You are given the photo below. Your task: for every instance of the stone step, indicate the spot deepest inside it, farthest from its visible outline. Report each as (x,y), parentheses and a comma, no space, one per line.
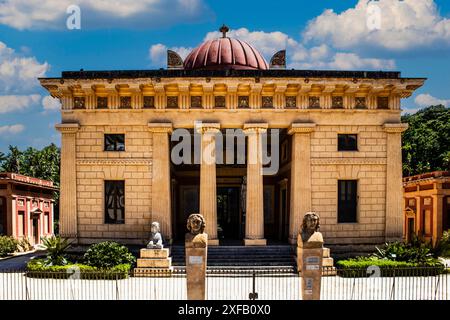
(154,263)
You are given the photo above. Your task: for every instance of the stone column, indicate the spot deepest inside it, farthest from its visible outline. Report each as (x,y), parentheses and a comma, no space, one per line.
(438,211)
(394,183)
(254,220)
(161,199)
(300,176)
(68,200)
(208,186)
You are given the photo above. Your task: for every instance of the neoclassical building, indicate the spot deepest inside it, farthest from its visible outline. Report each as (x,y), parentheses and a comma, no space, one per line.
(339,147)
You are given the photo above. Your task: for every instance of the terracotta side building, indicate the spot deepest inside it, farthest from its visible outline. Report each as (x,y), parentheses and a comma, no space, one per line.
(26,207)
(426,205)
(339,146)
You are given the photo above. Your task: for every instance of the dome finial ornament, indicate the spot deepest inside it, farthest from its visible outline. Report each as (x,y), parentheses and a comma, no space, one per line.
(224,29)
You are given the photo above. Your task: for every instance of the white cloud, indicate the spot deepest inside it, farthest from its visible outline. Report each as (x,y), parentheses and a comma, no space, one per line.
(426,100)
(14,103)
(18,73)
(298,55)
(403,25)
(51,104)
(42,14)
(12,129)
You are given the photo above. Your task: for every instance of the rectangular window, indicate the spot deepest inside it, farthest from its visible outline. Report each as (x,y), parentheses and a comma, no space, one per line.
(347,201)
(102,102)
(383,103)
(114,202)
(196,102)
(46,223)
(360,103)
(291,102)
(347,142)
(79,103)
(114,142)
(314,102)
(219,102)
(267,102)
(243,102)
(337,102)
(172,102)
(125,102)
(149,102)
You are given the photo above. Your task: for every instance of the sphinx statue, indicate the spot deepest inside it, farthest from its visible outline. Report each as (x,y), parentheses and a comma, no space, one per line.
(156,240)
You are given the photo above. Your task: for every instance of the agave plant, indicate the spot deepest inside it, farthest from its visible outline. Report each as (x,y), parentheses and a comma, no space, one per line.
(56,250)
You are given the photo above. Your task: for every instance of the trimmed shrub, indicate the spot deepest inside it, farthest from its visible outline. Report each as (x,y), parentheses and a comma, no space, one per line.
(8,245)
(37,268)
(106,255)
(24,245)
(360,267)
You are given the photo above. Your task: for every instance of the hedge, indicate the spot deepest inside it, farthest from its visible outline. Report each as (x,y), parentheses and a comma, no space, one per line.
(37,269)
(358,267)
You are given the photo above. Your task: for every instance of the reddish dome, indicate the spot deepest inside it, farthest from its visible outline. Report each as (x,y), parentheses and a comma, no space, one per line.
(225,53)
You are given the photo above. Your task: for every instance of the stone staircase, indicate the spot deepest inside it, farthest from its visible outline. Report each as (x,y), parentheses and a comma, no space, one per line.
(241,256)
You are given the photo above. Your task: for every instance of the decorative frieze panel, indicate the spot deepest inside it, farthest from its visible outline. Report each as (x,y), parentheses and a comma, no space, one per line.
(114,162)
(348,161)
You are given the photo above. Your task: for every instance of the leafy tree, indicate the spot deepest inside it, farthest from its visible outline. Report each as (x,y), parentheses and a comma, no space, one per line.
(426,144)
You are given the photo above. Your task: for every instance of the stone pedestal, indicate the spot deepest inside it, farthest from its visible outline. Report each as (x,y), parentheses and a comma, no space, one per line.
(196,273)
(310,261)
(154,263)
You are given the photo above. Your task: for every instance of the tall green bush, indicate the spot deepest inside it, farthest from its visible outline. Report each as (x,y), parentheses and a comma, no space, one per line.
(56,250)
(106,255)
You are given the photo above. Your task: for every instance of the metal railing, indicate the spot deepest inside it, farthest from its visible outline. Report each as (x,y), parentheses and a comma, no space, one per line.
(227,284)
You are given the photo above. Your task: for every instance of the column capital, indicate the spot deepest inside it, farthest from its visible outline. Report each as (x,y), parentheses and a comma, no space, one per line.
(67,127)
(301,128)
(160,127)
(255,127)
(395,127)
(207,127)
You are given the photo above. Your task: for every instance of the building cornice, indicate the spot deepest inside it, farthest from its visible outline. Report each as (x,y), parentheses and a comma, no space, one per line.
(67,127)
(395,127)
(301,128)
(160,127)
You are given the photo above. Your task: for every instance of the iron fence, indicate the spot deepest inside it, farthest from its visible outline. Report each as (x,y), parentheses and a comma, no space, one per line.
(227,284)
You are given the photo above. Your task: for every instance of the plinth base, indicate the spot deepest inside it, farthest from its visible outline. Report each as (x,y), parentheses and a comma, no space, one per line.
(153,272)
(154,263)
(213,242)
(255,242)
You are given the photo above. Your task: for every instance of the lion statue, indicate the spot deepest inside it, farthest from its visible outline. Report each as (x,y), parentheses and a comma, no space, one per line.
(196,226)
(310,228)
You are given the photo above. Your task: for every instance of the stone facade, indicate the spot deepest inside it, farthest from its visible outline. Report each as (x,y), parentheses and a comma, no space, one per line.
(311,173)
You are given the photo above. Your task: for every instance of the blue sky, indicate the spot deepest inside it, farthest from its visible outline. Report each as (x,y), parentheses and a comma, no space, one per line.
(412,36)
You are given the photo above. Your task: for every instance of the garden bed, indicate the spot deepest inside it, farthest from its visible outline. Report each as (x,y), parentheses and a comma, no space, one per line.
(37,269)
(370,267)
